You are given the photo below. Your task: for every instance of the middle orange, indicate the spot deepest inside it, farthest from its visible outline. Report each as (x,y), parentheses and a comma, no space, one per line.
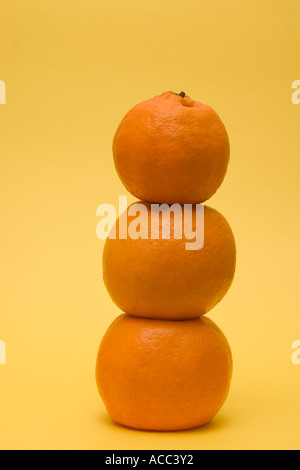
(153,268)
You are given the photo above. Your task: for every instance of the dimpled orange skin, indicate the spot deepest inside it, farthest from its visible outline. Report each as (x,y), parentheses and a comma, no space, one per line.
(159,278)
(171,149)
(163,375)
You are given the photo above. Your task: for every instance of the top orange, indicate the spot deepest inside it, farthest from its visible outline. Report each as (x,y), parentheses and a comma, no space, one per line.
(171,149)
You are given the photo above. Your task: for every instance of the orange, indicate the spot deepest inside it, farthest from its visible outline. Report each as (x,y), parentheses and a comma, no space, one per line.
(163,375)
(171,149)
(160,278)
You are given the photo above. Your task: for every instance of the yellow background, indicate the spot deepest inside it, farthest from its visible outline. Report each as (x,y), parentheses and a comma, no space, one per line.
(72,70)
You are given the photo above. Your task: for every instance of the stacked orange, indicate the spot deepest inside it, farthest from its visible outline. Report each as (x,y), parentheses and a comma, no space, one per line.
(163,365)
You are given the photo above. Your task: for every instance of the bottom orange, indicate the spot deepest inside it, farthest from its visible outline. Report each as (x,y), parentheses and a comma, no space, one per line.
(163,375)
